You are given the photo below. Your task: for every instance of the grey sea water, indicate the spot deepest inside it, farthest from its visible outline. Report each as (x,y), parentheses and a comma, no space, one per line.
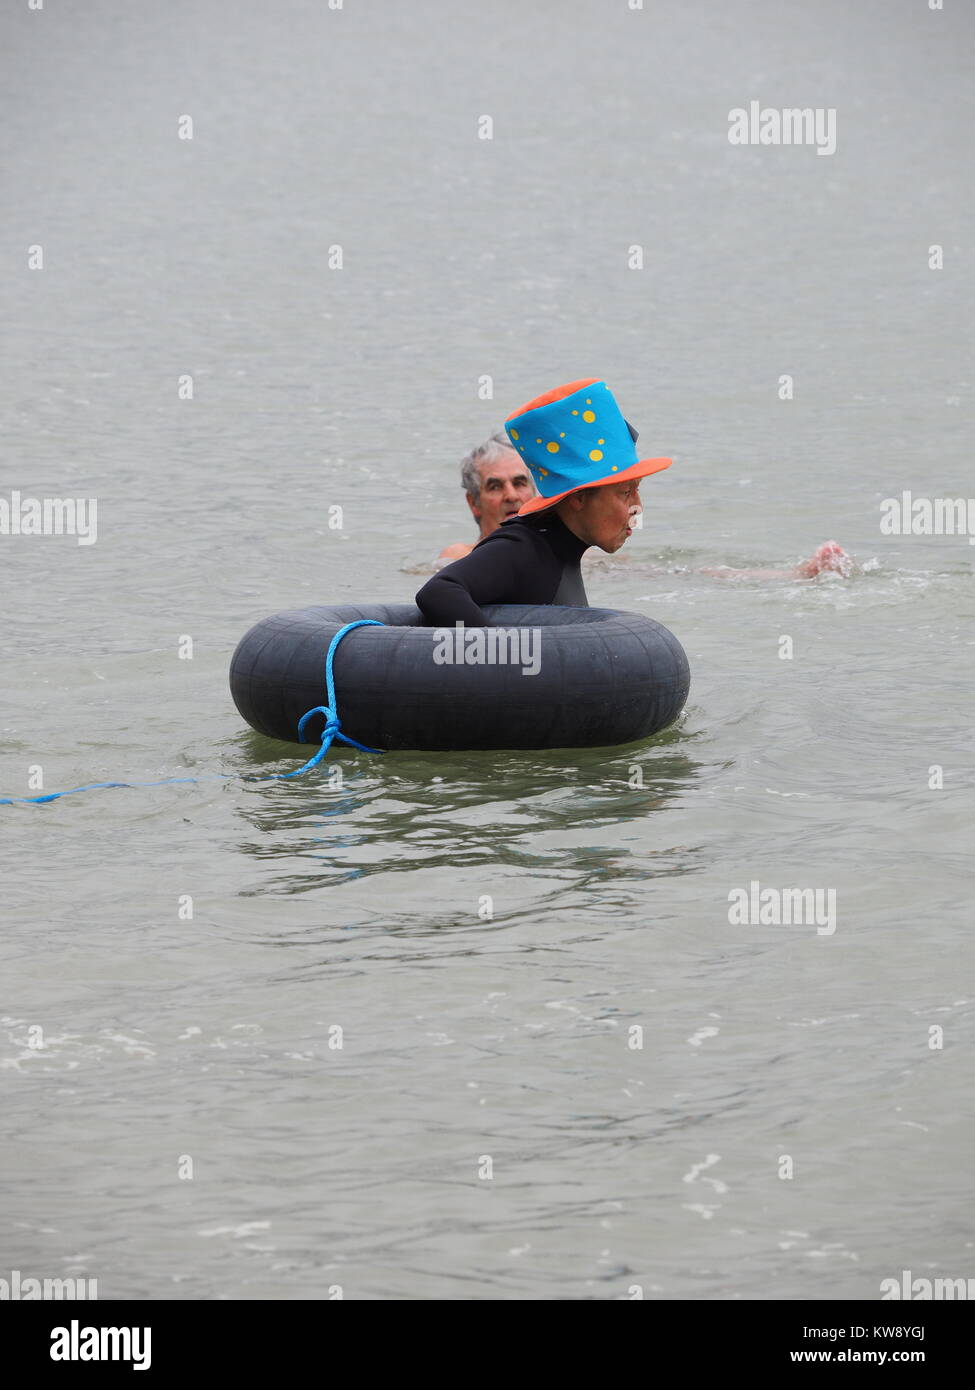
(793,1125)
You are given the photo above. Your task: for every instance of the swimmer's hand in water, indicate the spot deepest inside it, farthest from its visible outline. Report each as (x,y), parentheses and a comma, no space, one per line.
(829,558)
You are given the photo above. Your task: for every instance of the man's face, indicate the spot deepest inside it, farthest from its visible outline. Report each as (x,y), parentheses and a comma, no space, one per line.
(604,516)
(506,485)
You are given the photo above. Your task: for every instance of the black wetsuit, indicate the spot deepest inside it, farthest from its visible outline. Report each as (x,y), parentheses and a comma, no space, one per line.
(529,559)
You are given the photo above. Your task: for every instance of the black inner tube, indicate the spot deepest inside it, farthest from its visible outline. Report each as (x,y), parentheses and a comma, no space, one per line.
(601,677)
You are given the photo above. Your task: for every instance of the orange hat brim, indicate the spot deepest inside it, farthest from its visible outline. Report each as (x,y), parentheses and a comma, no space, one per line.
(643,469)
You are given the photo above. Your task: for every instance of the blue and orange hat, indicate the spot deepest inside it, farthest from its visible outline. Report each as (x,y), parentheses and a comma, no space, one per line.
(574,437)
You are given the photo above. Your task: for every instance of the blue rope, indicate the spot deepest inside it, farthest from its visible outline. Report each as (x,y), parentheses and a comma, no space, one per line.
(330,732)
(332,729)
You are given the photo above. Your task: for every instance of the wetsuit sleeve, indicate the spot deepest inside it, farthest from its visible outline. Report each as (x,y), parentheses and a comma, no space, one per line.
(502,569)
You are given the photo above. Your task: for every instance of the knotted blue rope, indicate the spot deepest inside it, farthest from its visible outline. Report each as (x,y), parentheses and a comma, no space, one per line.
(332,729)
(330,732)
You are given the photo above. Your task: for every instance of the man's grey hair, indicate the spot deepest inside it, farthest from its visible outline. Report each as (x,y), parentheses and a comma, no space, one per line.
(489,452)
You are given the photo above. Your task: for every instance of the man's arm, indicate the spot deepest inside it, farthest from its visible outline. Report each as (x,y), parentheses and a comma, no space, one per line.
(454,552)
(829,556)
(499,570)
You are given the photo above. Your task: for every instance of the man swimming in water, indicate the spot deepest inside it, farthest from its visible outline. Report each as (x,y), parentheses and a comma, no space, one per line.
(588,476)
(496,482)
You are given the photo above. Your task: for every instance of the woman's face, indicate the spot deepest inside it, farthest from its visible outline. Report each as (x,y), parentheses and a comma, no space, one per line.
(603,516)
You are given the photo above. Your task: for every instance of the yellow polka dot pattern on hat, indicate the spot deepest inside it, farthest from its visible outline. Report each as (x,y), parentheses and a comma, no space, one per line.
(574,444)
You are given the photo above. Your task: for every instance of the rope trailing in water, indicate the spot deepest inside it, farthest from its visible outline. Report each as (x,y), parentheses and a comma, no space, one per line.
(330,732)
